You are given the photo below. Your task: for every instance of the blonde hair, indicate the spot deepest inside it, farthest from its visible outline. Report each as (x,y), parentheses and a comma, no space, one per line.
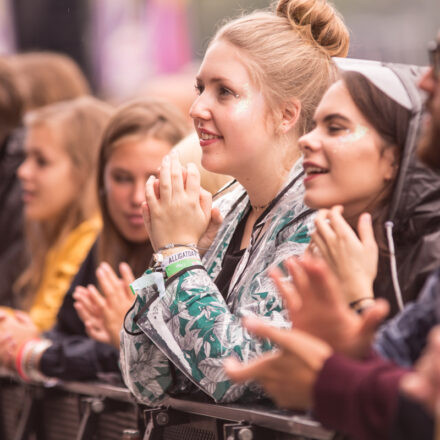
(80,123)
(289,51)
(189,151)
(143,118)
(47,77)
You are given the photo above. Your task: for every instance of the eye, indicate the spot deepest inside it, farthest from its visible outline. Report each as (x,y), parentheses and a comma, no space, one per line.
(122,178)
(41,161)
(336,129)
(199,89)
(224,91)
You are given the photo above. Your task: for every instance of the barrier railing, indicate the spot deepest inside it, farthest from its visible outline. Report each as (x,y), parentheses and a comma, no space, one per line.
(85,410)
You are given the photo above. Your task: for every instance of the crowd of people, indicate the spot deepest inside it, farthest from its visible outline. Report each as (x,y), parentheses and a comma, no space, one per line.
(287,248)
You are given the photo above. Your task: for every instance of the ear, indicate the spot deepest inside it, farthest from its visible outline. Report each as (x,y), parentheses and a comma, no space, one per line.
(290,112)
(391,161)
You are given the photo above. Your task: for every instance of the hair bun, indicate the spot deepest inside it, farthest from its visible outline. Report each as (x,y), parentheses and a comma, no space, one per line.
(317,21)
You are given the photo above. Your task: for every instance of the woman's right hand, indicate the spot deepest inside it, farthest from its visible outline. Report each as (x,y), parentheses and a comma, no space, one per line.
(317,306)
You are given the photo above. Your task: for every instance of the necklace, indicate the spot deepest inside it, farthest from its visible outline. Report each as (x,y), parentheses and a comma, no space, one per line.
(260,207)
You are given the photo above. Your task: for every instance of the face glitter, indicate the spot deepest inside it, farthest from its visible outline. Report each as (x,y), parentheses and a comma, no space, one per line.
(358,134)
(244,105)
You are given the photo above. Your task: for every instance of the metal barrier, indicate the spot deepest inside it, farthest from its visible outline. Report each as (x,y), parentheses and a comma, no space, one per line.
(83,411)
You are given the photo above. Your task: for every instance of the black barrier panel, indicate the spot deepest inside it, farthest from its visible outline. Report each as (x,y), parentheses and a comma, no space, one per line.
(98,411)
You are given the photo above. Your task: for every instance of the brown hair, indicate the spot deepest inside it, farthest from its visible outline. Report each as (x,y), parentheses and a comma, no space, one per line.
(144,118)
(81,123)
(288,52)
(391,121)
(11,104)
(48,77)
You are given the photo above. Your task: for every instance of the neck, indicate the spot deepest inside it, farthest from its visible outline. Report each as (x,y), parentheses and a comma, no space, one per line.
(264,180)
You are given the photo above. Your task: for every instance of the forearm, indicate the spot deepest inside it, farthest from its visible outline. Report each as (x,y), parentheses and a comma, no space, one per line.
(366,394)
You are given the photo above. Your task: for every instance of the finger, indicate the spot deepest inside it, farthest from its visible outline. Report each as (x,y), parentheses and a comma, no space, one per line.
(374,316)
(193,181)
(165,187)
(366,232)
(150,195)
(106,282)
(128,277)
(206,202)
(339,225)
(320,245)
(216,217)
(22,317)
(82,311)
(176,173)
(292,301)
(146,216)
(254,370)
(97,301)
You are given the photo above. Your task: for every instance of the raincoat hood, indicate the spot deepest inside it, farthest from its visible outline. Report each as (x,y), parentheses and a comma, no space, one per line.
(413,219)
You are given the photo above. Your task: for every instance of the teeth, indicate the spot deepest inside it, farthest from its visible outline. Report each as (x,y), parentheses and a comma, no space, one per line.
(206,136)
(315,170)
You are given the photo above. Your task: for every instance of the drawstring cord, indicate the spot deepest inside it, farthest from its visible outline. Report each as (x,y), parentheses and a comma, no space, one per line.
(397,292)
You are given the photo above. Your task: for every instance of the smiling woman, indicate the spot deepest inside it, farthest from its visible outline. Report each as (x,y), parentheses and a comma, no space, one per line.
(257,87)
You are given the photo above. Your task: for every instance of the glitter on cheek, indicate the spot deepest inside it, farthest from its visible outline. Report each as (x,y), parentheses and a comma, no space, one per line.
(243,106)
(358,134)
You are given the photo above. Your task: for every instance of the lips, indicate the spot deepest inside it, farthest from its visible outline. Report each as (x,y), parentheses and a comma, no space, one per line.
(135,219)
(27,195)
(207,137)
(313,170)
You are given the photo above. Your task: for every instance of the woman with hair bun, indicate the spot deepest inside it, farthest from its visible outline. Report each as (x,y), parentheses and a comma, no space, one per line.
(260,81)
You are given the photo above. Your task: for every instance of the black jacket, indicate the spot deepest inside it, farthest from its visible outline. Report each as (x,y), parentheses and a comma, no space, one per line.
(73,355)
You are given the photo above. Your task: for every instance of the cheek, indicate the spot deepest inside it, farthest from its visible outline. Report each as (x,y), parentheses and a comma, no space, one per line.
(117,197)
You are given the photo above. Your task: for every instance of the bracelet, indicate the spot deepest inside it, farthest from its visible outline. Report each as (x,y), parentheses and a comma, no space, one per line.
(22,351)
(172,245)
(30,360)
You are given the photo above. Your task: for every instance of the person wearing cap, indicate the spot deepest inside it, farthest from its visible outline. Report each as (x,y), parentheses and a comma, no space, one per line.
(326,364)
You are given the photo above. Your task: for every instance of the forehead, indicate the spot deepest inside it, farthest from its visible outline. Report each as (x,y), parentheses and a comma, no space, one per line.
(138,154)
(337,100)
(223,60)
(43,137)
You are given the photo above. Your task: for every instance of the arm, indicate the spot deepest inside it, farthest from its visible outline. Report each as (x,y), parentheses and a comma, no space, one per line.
(404,337)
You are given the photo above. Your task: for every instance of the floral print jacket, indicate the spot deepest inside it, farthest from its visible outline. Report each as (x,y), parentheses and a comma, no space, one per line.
(186,321)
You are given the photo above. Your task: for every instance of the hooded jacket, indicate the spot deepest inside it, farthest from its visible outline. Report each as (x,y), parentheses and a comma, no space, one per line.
(412,223)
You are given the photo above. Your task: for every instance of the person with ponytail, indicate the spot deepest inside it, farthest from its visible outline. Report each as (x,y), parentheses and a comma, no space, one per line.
(259,83)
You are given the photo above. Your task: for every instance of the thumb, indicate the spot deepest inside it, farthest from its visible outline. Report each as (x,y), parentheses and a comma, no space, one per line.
(216,217)
(205,201)
(22,317)
(373,317)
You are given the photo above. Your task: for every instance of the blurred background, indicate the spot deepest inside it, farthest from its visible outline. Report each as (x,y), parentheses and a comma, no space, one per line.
(125,46)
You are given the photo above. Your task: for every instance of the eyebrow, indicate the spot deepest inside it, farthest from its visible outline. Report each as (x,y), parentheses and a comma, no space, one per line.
(216,79)
(335,116)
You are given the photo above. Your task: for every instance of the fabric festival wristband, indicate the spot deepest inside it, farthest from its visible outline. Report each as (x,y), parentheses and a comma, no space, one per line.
(22,352)
(183,255)
(173,268)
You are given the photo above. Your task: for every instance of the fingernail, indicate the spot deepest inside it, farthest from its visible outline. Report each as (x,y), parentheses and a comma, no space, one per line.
(166,161)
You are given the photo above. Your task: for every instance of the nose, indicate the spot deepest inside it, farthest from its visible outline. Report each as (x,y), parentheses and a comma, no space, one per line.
(309,142)
(24,170)
(138,194)
(427,82)
(200,108)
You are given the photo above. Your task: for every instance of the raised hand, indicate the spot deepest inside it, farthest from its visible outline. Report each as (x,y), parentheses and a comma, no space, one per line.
(176,210)
(288,374)
(353,259)
(103,313)
(316,305)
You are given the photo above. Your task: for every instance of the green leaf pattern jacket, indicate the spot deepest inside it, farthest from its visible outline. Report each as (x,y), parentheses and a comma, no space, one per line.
(190,323)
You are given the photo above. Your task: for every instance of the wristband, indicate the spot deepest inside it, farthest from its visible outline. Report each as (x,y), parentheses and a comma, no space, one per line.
(172,245)
(30,360)
(179,265)
(22,351)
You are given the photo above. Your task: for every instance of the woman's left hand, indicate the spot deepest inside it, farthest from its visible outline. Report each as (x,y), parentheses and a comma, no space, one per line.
(176,211)
(353,259)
